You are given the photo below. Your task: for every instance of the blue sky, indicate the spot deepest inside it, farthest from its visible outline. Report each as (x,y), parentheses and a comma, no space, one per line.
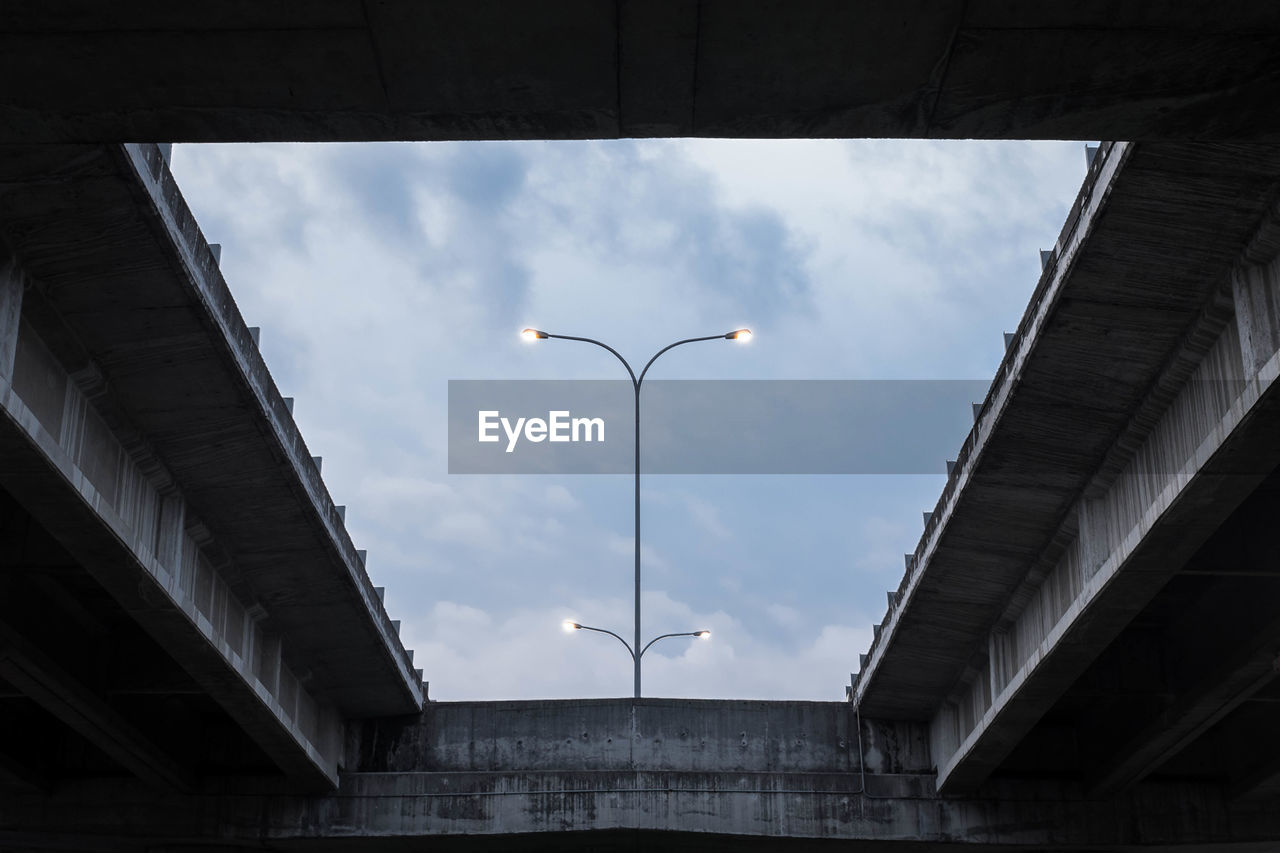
(380,272)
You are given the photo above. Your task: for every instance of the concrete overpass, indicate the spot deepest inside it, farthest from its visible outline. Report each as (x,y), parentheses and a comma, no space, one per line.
(564,69)
(179,592)
(1090,597)
(1081,654)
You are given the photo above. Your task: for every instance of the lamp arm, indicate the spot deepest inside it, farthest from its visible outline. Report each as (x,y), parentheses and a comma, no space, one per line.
(671,346)
(603,345)
(664,636)
(615,636)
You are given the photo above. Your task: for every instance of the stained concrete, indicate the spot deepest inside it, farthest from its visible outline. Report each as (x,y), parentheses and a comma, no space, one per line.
(616,773)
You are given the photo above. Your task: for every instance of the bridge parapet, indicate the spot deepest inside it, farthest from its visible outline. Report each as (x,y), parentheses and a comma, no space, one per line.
(620,774)
(685,735)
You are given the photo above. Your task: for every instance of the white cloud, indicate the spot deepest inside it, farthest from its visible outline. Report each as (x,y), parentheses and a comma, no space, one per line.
(706,516)
(625,546)
(560,498)
(378,273)
(472,654)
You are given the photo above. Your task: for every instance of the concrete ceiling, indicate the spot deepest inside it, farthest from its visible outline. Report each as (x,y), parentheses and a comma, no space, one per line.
(145,70)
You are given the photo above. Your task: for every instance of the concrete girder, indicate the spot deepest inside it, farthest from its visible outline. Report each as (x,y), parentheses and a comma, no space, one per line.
(93,494)
(1258,784)
(43,681)
(39,472)
(15,774)
(913,683)
(1148,244)
(1248,670)
(1212,444)
(560,69)
(216,510)
(321,598)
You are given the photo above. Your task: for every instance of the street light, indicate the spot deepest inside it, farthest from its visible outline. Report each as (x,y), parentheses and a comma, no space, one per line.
(570,625)
(740,335)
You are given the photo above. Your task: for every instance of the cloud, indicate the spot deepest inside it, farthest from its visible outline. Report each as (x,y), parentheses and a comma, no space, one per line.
(626,546)
(560,498)
(471,653)
(378,273)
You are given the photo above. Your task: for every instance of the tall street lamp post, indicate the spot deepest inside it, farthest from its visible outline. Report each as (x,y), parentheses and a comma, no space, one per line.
(741,335)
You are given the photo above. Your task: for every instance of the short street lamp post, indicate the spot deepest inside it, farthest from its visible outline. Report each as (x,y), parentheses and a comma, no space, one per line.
(740,335)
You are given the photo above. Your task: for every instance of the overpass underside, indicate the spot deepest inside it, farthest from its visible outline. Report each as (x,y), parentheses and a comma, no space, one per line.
(312,70)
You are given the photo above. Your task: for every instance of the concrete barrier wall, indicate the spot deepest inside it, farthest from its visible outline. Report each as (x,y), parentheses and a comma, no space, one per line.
(648,734)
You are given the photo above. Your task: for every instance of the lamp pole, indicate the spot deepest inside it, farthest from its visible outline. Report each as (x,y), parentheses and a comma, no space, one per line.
(742,335)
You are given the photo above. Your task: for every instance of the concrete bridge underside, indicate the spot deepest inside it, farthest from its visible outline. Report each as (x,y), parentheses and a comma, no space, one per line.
(140,70)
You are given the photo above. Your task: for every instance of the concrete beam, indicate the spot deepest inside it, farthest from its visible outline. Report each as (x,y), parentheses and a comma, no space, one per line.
(43,681)
(929,640)
(290,631)
(1259,784)
(572,69)
(294,554)
(178,599)
(12,282)
(1133,530)
(1147,246)
(1231,681)
(115,509)
(17,775)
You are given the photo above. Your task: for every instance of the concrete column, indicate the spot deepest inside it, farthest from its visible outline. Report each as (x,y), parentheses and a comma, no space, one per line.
(1255,288)
(170,532)
(11,282)
(1093,538)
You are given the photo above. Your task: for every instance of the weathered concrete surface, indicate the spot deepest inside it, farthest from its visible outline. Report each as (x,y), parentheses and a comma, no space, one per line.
(653,734)
(119,261)
(507,69)
(140,430)
(605,774)
(1137,408)
(1150,240)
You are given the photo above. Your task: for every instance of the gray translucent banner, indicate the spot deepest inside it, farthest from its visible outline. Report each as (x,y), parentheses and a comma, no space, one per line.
(709,426)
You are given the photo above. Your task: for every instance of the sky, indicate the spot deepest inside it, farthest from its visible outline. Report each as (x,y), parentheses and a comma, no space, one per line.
(380,272)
